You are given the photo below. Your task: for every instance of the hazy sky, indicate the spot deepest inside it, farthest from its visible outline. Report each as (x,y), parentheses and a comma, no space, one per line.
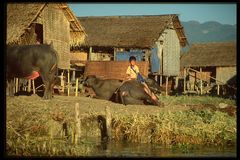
(224,13)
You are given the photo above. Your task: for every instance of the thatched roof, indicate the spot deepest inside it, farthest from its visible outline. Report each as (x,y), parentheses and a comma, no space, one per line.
(129,31)
(21,15)
(210,54)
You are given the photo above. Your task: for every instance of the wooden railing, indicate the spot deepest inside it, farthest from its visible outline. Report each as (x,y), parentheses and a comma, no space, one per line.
(204,80)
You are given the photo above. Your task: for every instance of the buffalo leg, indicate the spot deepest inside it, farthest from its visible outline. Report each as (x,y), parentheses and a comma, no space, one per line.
(47,86)
(131,100)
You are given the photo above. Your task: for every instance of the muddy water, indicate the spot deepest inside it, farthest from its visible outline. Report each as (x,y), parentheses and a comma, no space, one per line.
(126,149)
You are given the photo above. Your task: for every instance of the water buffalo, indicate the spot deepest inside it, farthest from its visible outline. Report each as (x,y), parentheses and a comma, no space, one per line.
(133,92)
(103,89)
(30,62)
(128,92)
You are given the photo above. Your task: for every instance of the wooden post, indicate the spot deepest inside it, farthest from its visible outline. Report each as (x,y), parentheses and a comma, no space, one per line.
(33,84)
(176,82)
(218,89)
(29,85)
(62,82)
(68,82)
(90,54)
(114,54)
(156,77)
(200,80)
(78,122)
(76,91)
(160,80)
(166,85)
(73,76)
(14,88)
(108,122)
(184,79)
(16,85)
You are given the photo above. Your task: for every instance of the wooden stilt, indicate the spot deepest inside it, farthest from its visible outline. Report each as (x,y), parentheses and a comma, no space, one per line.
(29,85)
(166,85)
(73,76)
(33,84)
(218,89)
(176,82)
(68,86)
(76,91)
(14,88)
(108,122)
(62,82)
(184,79)
(78,122)
(16,85)
(90,54)
(160,80)
(200,80)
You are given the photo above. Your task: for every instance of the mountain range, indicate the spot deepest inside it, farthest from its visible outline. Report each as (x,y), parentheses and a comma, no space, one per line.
(210,31)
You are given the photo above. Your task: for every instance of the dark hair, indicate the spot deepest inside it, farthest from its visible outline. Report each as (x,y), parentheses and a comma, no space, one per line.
(132,58)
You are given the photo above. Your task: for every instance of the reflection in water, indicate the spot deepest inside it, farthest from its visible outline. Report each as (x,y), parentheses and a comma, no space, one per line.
(126,149)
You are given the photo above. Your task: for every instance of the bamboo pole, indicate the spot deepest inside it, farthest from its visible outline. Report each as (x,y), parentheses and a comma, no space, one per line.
(62,82)
(108,122)
(90,54)
(156,77)
(76,91)
(184,80)
(160,80)
(29,85)
(114,54)
(218,89)
(78,122)
(33,84)
(73,76)
(16,85)
(200,80)
(68,86)
(14,88)
(166,85)
(176,82)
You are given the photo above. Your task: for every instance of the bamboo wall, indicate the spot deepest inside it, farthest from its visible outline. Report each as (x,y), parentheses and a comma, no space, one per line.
(224,74)
(171,54)
(78,55)
(113,69)
(100,56)
(57,29)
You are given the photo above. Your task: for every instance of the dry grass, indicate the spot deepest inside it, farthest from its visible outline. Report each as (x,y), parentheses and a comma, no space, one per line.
(35,127)
(187,127)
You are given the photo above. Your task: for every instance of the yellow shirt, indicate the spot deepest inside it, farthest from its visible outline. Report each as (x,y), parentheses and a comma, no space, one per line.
(130,72)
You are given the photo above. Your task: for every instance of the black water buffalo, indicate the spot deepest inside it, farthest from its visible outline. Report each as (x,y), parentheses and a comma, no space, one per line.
(128,92)
(104,89)
(133,92)
(31,61)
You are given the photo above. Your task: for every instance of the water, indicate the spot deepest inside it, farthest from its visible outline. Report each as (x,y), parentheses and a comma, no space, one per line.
(126,149)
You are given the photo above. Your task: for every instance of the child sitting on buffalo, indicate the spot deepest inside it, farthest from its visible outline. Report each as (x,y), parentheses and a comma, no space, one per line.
(133,73)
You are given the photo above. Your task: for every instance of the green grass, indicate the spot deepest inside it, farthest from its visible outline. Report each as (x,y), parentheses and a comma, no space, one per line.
(194,100)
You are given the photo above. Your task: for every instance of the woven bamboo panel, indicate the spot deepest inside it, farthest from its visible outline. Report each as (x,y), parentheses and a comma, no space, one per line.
(57,30)
(113,69)
(171,54)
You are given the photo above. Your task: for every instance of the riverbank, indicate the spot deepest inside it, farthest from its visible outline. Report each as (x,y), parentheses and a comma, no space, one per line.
(35,126)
